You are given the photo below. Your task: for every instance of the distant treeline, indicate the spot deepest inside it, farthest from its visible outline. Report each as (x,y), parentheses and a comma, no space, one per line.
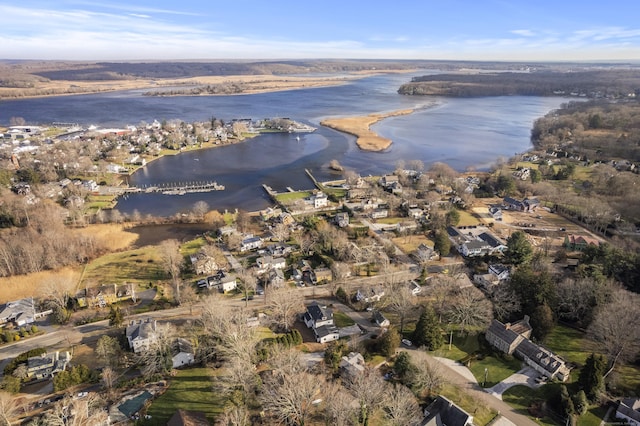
(591,83)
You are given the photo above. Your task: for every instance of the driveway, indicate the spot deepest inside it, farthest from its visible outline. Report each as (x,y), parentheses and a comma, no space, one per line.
(526,377)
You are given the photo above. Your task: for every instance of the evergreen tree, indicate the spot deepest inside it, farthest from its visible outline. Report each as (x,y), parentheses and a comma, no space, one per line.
(441,243)
(566,404)
(519,250)
(116,317)
(402,364)
(389,342)
(580,403)
(542,321)
(591,379)
(428,332)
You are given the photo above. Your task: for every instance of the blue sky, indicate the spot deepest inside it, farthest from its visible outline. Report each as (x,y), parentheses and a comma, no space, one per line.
(533,30)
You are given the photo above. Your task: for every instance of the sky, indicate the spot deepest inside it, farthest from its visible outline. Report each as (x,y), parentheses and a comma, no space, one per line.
(504,30)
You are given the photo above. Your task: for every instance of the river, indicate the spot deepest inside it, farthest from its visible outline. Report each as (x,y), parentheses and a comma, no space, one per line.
(463,133)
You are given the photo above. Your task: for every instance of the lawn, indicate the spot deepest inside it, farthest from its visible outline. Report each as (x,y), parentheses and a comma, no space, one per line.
(521,397)
(341,319)
(409,244)
(192,247)
(190,389)
(289,197)
(569,343)
(461,347)
(467,219)
(482,415)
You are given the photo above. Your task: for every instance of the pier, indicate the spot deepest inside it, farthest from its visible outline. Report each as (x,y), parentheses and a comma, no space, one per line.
(177,188)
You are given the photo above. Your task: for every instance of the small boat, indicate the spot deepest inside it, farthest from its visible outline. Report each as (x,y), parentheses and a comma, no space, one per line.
(298,138)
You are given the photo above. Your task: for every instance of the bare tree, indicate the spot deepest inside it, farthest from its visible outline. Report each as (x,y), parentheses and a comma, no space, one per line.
(9,408)
(108,351)
(505,301)
(234,415)
(172,261)
(338,405)
(281,232)
(200,208)
(369,389)
(401,302)
(290,397)
(469,308)
(577,299)
(610,327)
(78,412)
(285,304)
(402,408)
(108,378)
(157,357)
(425,375)
(56,291)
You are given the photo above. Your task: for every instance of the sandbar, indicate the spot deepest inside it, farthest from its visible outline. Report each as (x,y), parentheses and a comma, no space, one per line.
(360,127)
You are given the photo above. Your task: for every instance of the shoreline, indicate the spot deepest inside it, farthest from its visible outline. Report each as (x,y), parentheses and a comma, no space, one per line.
(254,84)
(360,127)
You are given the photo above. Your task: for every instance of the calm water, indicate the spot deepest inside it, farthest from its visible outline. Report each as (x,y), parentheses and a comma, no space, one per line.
(461,132)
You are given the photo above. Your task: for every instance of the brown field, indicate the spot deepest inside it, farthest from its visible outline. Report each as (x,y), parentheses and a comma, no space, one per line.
(249,84)
(111,236)
(360,128)
(31,285)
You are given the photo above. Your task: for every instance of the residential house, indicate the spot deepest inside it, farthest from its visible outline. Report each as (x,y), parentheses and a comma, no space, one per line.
(20,312)
(522,174)
(227,230)
(266,263)
(380,320)
(351,365)
(531,204)
(512,204)
(317,315)
(514,339)
(629,411)
(424,252)
(506,337)
(99,297)
(342,219)
(181,353)
(495,213)
(496,244)
(275,278)
(320,320)
(369,294)
(203,264)
(486,281)
(250,243)
(387,181)
(502,272)
(475,248)
(279,250)
(141,334)
(379,213)
(579,242)
(443,412)
(475,241)
(46,365)
(319,200)
(323,275)
(414,287)
(287,219)
(223,282)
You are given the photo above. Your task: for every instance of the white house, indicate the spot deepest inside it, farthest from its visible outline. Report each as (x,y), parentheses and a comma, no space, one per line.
(182,353)
(320,200)
(266,263)
(140,334)
(317,316)
(250,243)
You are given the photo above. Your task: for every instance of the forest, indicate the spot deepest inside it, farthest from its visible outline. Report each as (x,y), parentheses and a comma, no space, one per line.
(614,83)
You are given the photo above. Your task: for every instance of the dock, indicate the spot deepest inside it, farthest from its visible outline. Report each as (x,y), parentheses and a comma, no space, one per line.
(177,188)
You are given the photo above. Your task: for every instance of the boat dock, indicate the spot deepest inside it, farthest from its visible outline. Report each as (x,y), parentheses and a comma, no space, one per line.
(177,188)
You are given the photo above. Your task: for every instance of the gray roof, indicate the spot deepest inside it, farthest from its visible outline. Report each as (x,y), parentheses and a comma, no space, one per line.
(317,312)
(544,358)
(502,332)
(325,330)
(490,239)
(181,346)
(18,308)
(141,329)
(443,412)
(630,407)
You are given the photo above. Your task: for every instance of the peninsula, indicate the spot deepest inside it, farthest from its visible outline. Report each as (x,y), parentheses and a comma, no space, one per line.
(360,127)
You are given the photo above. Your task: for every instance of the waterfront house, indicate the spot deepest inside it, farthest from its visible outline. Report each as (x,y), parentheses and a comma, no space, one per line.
(100,297)
(19,312)
(319,200)
(250,243)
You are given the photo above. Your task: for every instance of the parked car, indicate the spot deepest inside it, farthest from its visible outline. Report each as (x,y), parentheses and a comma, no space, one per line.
(406,342)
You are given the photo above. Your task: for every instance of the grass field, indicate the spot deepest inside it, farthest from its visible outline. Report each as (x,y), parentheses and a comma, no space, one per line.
(289,197)
(521,397)
(190,389)
(482,415)
(341,319)
(409,244)
(467,219)
(141,265)
(30,285)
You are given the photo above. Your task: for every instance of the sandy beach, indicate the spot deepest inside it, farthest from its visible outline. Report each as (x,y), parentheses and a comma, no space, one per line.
(360,127)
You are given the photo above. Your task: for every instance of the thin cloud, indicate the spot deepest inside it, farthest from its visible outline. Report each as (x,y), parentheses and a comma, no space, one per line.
(524,33)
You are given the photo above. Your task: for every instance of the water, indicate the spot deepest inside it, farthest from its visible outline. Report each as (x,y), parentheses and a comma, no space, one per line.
(463,133)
